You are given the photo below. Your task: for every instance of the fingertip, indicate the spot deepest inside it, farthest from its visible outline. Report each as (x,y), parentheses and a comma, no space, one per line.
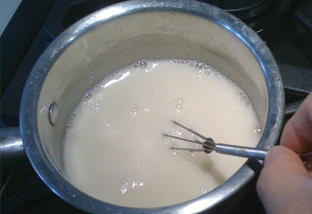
(283,180)
(281,153)
(280,165)
(297,133)
(280,162)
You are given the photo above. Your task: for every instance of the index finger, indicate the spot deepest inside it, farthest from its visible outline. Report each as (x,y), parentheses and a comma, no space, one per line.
(297,133)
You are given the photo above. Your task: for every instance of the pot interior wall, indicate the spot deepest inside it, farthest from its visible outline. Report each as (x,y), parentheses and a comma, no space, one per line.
(114,44)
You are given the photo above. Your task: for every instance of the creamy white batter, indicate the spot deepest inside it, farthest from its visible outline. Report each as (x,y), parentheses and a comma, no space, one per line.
(114,149)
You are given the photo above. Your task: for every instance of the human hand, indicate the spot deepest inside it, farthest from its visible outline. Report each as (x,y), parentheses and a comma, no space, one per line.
(285,184)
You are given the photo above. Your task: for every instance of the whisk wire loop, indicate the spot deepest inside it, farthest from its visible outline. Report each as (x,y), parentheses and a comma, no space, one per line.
(208,146)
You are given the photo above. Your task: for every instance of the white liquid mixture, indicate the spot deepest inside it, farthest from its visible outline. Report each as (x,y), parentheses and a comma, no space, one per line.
(114,149)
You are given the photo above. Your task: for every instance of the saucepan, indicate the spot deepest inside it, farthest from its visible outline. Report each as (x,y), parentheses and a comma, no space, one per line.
(119,35)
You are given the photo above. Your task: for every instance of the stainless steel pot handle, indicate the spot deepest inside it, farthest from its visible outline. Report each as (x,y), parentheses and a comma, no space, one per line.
(11,144)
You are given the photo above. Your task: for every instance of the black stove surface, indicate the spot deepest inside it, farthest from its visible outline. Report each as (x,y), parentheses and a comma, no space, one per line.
(284,25)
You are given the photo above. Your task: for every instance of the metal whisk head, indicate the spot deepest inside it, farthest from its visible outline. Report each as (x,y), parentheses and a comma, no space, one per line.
(208,144)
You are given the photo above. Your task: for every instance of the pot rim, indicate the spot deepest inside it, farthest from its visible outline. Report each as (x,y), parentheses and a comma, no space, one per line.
(28,112)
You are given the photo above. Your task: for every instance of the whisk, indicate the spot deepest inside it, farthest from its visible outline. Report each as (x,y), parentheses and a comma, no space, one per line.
(208,146)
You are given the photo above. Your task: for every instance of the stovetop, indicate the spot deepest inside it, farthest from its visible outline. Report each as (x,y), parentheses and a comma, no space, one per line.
(285,26)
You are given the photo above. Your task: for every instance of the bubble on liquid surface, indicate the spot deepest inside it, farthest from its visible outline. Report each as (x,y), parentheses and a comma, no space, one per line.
(200,73)
(199,65)
(127,184)
(178,104)
(134,112)
(176,131)
(87,98)
(205,70)
(167,140)
(203,190)
(247,102)
(257,130)
(142,64)
(71,120)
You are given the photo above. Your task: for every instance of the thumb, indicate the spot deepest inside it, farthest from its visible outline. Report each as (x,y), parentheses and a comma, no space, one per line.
(285,185)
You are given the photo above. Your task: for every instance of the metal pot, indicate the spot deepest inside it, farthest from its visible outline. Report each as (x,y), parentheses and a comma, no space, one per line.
(119,35)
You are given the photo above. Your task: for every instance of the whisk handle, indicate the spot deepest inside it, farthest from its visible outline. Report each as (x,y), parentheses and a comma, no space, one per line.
(241,151)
